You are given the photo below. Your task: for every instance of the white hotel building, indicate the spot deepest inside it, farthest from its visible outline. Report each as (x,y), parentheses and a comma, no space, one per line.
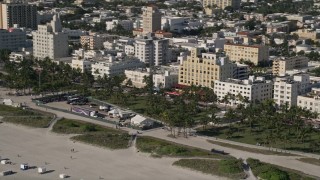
(163,77)
(50,41)
(112,67)
(287,89)
(254,88)
(310,101)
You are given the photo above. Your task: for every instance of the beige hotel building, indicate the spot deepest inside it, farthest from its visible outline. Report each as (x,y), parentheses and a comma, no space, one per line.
(252,53)
(203,69)
(282,64)
(235,4)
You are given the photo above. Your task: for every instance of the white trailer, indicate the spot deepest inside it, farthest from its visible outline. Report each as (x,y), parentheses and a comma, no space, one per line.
(41,170)
(62,176)
(24,166)
(4,161)
(5,173)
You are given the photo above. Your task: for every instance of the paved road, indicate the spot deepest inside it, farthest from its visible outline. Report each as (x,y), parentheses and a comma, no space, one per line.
(200,142)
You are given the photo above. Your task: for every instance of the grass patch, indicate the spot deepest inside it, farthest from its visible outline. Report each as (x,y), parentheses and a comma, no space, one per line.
(16,111)
(31,121)
(241,133)
(310,161)
(26,117)
(102,139)
(268,171)
(231,168)
(253,150)
(70,126)
(160,147)
(93,134)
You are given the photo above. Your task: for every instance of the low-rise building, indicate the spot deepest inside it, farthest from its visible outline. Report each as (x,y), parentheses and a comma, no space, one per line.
(163,34)
(307,34)
(12,39)
(20,56)
(277,27)
(163,76)
(95,41)
(82,64)
(256,16)
(126,24)
(235,4)
(253,89)
(282,64)
(112,67)
(252,53)
(310,101)
(241,71)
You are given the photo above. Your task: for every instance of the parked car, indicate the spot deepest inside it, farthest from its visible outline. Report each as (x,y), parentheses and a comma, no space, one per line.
(93,105)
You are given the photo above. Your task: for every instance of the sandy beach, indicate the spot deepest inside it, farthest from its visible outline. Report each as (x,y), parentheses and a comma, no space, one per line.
(38,147)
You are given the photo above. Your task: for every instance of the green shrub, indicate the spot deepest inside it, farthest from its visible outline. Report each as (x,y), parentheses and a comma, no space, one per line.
(273,172)
(31,121)
(165,148)
(70,126)
(115,141)
(230,166)
(89,128)
(214,167)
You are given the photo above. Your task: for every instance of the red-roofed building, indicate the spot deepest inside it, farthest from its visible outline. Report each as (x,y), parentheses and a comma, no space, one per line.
(163,34)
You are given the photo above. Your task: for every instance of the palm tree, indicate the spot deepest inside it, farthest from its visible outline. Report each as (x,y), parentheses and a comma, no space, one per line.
(239,97)
(204,122)
(148,80)
(190,123)
(226,99)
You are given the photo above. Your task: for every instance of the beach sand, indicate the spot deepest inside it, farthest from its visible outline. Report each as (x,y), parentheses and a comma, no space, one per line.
(38,147)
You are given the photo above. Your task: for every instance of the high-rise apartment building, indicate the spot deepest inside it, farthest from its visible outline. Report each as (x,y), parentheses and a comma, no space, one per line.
(252,53)
(154,52)
(50,41)
(282,64)
(151,19)
(12,39)
(18,12)
(203,69)
(235,4)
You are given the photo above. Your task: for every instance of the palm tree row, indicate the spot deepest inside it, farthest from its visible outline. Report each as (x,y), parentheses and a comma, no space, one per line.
(44,76)
(272,125)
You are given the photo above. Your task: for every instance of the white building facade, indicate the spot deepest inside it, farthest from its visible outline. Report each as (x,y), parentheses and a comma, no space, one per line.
(126,24)
(310,101)
(112,67)
(254,89)
(50,41)
(82,64)
(152,51)
(164,77)
(287,89)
